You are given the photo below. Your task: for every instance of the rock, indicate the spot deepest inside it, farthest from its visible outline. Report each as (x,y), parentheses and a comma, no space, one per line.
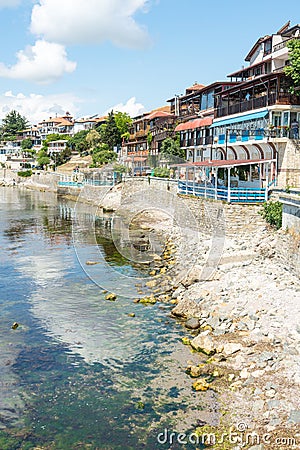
(187,308)
(195,371)
(271,393)
(294,416)
(230,348)
(148,300)
(244,373)
(193,276)
(112,297)
(192,323)
(257,373)
(201,385)
(151,283)
(178,291)
(204,343)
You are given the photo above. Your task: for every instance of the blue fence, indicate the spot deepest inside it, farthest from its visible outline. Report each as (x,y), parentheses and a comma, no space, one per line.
(85,183)
(237,195)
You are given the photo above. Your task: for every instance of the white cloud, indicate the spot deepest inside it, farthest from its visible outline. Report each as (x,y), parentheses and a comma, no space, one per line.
(90,22)
(36,107)
(130,107)
(9,3)
(43,63)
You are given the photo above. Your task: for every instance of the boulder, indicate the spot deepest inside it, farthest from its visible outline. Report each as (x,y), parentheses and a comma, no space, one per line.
(204,343)
(192,323)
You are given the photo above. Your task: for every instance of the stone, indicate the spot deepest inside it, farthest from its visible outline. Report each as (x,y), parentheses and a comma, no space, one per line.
(186,341)
(195,371)
(230,348)
(201,385)
(151,283)
(204,343)
(294,416)
(258,373)
(148,300)
(192,323)
(187,308)
(271,393)
(244,373)
(112,297)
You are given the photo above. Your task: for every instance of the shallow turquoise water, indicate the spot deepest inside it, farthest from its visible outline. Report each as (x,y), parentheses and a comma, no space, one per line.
(78,372)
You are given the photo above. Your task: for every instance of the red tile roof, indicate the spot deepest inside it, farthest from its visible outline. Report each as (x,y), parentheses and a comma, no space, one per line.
(192,124)
(157,114)
(195,87)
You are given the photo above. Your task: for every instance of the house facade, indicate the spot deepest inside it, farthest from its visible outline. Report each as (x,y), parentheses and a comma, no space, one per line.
(56,125)
(195,112)
(254,118)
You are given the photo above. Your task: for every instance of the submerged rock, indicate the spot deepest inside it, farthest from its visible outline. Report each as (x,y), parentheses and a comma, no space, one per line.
(148,300)
(201,385)
(112,297)
(186,341)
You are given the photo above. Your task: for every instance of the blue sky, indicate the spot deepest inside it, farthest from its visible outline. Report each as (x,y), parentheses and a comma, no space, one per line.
(89,56)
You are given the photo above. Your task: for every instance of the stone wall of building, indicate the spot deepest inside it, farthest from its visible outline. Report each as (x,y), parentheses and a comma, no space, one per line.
(290,211)
(288,163)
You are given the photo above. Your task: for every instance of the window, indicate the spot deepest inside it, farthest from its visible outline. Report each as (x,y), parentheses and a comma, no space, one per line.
(268,47)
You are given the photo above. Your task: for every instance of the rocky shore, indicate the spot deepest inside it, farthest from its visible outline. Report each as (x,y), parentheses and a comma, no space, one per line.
(243,319)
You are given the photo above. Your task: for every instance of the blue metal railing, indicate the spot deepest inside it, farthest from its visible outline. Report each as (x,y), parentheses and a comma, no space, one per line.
(237,195)
(85,183)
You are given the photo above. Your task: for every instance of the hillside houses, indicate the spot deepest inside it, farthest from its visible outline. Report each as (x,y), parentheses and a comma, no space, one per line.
(249,117)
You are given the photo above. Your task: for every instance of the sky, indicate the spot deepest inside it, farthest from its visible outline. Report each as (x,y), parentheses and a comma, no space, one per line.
(88,57)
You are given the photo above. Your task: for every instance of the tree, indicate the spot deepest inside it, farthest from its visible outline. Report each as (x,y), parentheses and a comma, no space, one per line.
(42,158)
(111,134)
(78,142)
(26,144)
(123,122)
(102,155)
(171,147)
(293,69)
(58,157)
(92,138)
(12,123)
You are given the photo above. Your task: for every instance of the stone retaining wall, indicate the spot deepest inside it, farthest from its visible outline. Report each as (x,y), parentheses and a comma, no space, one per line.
(290,211)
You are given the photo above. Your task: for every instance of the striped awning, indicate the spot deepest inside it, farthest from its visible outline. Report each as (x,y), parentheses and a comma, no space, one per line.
(192,124)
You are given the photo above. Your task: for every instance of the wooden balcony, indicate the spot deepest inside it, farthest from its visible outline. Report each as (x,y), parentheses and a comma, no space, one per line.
(259,102)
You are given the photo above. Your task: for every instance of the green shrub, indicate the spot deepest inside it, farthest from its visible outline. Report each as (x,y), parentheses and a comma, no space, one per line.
(25,173)
(162,172)
(272,213)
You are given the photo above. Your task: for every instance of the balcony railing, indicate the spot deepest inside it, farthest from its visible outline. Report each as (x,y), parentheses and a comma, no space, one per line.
(282,98)
(196,142)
